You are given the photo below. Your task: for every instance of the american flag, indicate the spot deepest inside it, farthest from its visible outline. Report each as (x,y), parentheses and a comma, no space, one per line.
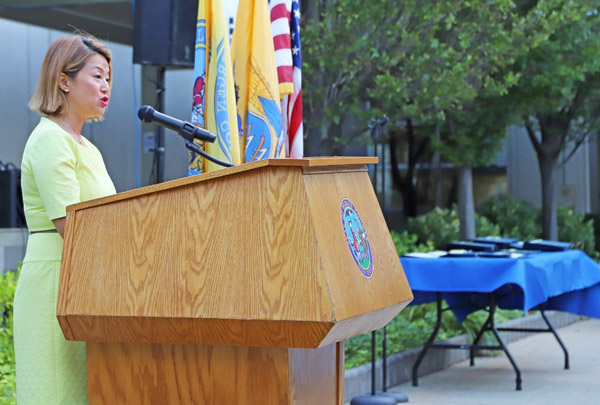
(280,26)
(285,24)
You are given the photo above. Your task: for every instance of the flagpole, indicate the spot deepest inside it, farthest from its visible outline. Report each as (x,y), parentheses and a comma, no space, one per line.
(159,152)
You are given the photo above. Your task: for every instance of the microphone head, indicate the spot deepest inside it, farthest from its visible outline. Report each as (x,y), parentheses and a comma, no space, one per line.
(146,113)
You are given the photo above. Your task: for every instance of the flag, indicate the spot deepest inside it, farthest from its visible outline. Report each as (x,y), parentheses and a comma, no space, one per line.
(213,106)
(285,24)
(295,131)
(255,76)
(280,11)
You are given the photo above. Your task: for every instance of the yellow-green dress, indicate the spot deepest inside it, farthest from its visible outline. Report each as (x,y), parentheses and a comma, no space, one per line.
(56,171)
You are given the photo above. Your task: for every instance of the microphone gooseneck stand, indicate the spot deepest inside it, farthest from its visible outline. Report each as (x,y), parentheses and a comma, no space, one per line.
(186,130)
(197,149)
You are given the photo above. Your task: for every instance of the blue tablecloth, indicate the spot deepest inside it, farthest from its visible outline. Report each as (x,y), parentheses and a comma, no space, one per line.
(567,281)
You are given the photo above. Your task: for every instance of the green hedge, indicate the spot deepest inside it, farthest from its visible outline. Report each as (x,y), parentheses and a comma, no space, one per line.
(413,326)
(8,284)
(595,218)
(576,228)
(518,219)
(407,242)
(441,226)
(515,218)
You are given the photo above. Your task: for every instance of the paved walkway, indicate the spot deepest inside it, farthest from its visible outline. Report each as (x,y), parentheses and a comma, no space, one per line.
(545,381)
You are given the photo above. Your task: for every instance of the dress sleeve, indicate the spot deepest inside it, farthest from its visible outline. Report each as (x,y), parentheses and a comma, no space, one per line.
(53,162)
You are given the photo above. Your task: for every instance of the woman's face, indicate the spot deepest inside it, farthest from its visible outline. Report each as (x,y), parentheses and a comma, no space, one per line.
(89,91)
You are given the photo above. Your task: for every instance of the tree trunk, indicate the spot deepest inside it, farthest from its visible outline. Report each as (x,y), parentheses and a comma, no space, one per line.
(317,141)
(407,184)
(553,138)
(310,9)
(437,170)
(466,206)
(314,135)
(549,202)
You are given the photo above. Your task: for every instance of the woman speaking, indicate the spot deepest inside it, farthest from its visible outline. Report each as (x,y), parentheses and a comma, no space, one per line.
(59,167)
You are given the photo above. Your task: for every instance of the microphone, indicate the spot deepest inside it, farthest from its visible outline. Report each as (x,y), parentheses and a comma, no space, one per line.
(185,129)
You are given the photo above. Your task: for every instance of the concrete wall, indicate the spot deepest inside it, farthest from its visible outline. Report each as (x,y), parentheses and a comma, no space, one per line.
(13,243)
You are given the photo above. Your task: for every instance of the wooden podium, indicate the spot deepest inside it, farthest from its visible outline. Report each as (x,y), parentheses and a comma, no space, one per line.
(233,287)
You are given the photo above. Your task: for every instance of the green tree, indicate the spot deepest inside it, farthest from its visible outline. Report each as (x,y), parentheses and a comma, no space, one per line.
(473,137)
(412,60)
(339,62)
(420,62)
(415,58)
(459,78)
(558,96)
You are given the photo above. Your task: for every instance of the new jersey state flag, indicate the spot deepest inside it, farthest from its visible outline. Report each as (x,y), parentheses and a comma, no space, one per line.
(255,76)
(213,94)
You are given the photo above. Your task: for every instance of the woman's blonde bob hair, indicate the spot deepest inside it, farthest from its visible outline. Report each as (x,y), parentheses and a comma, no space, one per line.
(66,55)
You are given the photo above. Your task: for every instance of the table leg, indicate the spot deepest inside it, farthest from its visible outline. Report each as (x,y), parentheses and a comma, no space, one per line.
(485,327)
(560,342)
(489,325)
(550,329)
(429,343)
(501,342)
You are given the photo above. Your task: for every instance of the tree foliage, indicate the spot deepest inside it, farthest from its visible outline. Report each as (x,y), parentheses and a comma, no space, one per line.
(467,69)
(415,59)
(558,96)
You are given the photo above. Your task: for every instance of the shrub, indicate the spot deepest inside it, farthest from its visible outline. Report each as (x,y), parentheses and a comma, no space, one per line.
(412,327)
(406,242)
(441,226)
(595,218)
(516,218)
(409,329)
(484,227)
(575,228)
(8,284)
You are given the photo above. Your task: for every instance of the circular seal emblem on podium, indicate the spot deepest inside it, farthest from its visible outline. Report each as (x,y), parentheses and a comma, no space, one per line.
(357,239)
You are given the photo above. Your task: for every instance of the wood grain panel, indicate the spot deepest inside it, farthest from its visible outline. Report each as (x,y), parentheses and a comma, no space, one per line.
(334,169)
(352,293)
(364,323)
(186,374)
(64,282)
(317,375)
(258,258)
(197,331)
(240,248)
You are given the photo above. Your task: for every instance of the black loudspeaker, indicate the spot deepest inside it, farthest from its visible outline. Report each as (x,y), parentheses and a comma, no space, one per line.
(11,200)
(164,32)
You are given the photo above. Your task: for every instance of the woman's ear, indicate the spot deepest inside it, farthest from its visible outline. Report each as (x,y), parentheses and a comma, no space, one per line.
(63,82)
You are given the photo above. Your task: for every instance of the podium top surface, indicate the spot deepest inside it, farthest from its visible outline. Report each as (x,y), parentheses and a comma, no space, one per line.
(288,162)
